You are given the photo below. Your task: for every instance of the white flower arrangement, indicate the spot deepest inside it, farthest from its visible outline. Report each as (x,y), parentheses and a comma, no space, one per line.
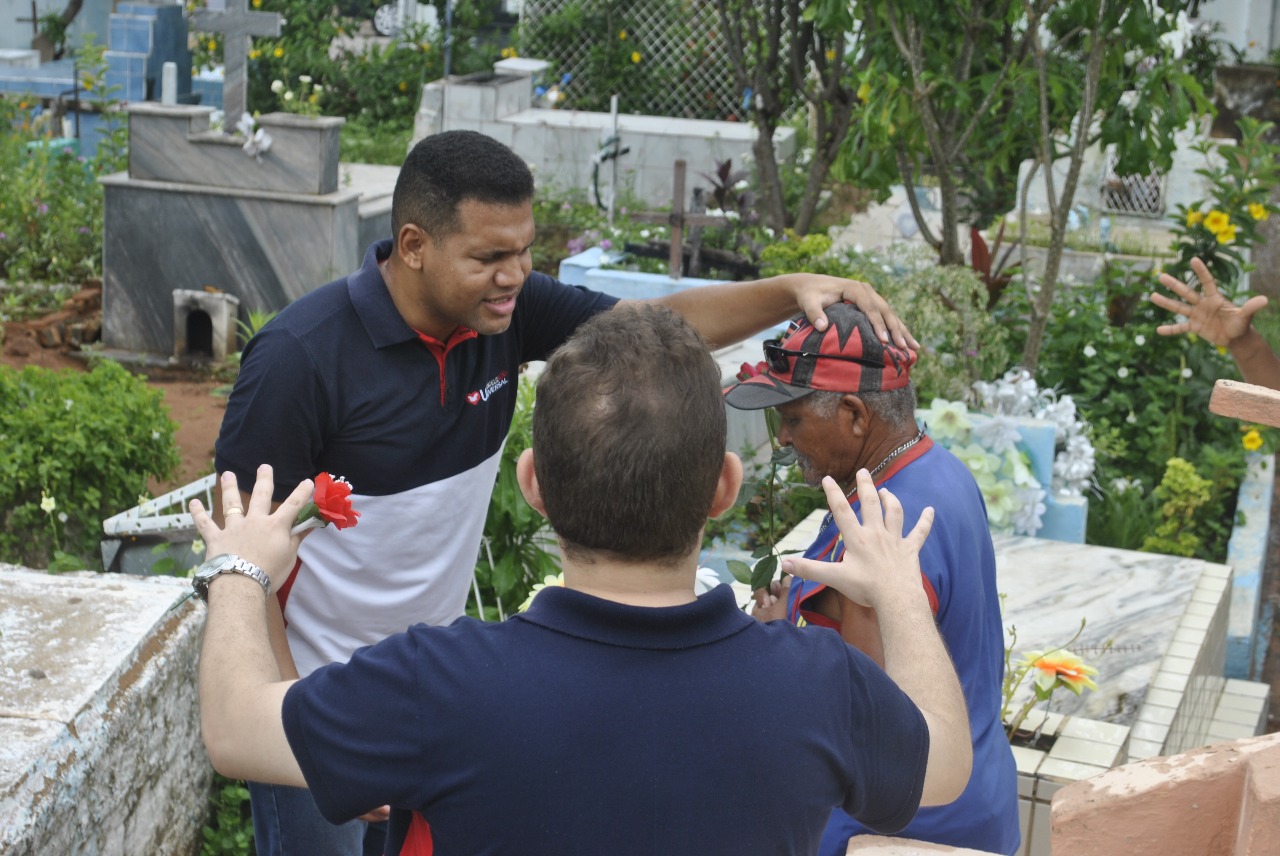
(1017,394)
(989,447)
(989,444)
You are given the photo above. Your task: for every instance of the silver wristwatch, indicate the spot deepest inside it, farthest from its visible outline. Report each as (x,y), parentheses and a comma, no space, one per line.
(226,563)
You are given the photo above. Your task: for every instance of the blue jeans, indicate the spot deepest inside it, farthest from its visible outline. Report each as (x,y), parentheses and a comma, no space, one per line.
(286,822)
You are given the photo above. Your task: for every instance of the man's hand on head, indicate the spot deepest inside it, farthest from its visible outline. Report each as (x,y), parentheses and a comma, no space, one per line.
(814,292)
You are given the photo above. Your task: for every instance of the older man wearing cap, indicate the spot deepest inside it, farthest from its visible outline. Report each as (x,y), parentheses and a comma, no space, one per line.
(846,402)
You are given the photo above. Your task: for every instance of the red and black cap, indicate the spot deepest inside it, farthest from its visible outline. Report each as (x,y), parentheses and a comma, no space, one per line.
(846,357)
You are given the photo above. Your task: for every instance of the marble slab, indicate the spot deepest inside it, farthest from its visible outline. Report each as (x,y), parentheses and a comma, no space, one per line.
(1135,601)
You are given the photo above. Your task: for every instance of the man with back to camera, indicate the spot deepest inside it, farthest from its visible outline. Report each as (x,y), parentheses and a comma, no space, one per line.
(619,714)
(402,378)
(846,403)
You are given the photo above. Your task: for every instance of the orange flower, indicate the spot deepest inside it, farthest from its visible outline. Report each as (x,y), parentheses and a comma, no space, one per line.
(1060,668)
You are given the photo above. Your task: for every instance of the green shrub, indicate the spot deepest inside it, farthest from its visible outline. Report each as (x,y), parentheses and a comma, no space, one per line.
(1146,398)
(231,830)
(514,554)
(83,443)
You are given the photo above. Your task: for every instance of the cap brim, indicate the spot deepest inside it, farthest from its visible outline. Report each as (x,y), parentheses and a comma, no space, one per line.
(763,391)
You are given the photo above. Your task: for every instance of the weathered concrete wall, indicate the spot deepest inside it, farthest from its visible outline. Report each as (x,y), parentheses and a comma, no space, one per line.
(1222,799)
(100,746)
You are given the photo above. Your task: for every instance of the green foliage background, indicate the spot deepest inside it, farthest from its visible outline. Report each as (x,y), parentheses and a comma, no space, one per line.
(91,441)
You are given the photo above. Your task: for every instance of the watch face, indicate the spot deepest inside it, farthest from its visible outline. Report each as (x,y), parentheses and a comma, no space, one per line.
(213,566)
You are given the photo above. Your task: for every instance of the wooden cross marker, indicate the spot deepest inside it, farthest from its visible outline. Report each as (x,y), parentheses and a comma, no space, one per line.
(677,220)
(236,24)
(34,19)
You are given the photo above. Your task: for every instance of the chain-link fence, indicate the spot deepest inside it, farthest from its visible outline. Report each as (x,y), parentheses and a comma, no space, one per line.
(661,57)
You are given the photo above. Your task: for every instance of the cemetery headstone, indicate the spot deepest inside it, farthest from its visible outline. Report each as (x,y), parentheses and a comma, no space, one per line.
(236,24)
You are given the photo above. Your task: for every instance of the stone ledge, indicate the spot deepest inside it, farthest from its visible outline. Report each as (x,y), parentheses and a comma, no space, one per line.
(100,746)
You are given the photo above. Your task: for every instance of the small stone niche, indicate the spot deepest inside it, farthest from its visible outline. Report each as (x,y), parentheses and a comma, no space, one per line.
(204,325)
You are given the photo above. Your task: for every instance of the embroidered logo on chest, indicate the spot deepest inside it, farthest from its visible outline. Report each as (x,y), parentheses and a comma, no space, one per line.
(489,389)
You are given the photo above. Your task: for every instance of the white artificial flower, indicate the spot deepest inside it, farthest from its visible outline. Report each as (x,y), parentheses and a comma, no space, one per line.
(1131,419)
(1122,372)
(277,86)
(1139,340)
(1187,373)
(704,580)
(304,78)
(1090,351)
(947,420)
(47,503)
(999,433)
(1029,516)
(288,96)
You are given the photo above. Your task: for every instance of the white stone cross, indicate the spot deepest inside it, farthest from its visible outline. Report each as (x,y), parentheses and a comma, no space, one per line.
(236,24)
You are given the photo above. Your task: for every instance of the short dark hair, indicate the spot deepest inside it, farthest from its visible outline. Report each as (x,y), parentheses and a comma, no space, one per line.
(629,435)
(445,169)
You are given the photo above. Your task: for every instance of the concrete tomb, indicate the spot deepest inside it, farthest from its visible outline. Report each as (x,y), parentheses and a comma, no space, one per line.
(100,747)
(194,212)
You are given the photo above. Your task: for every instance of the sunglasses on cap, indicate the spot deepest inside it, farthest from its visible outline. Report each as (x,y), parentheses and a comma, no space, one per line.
(779,358)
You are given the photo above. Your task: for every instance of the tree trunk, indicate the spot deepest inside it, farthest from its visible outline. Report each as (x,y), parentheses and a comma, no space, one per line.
(1060,212)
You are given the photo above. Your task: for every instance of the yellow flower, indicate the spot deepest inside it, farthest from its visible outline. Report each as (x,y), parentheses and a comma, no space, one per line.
(213,44)
(255,53)
(864,92)
(1061,667)
(1194,217)
(1252,440)
(622,35)
(1227,234)
(403,86)
(47,503)
(831,55)
(548,580)
(508,52)
(1222,350)
(1215,221)
(635,56)
(257,4)
(278,52)
(1258,211)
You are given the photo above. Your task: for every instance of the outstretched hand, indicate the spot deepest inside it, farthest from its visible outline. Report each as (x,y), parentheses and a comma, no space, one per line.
(880,565)
(1208,313)
(814,292)
(254,533)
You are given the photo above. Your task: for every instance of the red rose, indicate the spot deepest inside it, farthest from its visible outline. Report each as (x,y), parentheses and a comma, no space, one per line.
(332,499)
(330,503)
(747,371)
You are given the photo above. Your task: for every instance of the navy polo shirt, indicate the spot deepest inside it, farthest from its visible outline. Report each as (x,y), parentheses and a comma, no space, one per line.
(588,726)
